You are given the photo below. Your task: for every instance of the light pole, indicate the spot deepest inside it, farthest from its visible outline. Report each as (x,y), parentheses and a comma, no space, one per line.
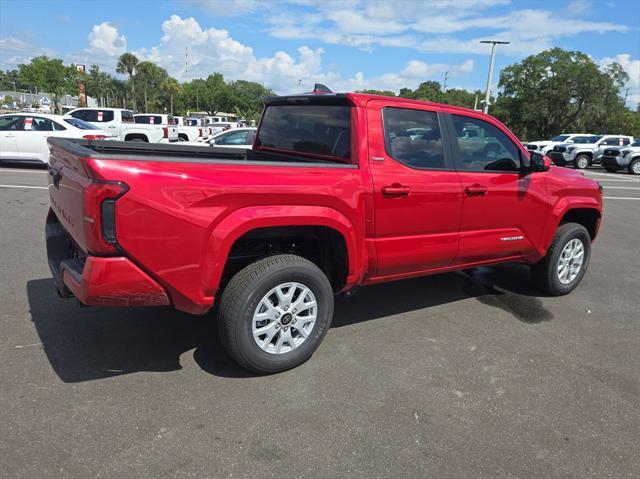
(490,77)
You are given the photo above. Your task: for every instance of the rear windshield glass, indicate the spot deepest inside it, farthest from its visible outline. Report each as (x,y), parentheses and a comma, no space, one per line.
(83,125)
(319,130)
(149,119)
(97,116)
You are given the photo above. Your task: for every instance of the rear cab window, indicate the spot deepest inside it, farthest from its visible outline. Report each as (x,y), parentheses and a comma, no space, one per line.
(148,119)
(321,131)
(95,116)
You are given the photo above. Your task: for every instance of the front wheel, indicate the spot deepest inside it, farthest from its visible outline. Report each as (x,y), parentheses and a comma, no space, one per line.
(565,264)
(634,167)
(582,162)
(274,313)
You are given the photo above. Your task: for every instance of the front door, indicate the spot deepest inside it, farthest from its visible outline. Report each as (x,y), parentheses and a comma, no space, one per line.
(417,193)
(504,209)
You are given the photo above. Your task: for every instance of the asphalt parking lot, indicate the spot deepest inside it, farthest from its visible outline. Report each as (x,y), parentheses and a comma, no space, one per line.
(459,375)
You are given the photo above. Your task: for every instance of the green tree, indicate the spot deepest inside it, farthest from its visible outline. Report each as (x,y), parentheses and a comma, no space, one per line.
(556,91)
(150,77)
(127,64)
(171,87)
(247,98)
(47,75)
(378,92)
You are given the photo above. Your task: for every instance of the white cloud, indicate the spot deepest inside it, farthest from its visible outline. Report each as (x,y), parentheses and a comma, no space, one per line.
(403,23)
(104,39)
(214,50)
(14,52)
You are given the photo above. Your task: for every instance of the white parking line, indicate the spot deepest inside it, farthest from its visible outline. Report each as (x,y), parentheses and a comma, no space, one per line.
(24,186)
(620,188)
(620,179)
(612,175)
(620,198)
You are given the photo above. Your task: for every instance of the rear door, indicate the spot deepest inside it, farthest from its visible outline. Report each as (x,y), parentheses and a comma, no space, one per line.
(504,210)
(9,126)
(417,192)
(32,140)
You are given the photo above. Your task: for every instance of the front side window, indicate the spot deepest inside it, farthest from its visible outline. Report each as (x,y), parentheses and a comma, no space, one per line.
(615,141)
(560,138)
(313,129)
(584,139)
(234,138)
(487,149)
(413,137)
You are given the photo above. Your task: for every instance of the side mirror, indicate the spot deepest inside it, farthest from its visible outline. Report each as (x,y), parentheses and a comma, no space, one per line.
(539,162)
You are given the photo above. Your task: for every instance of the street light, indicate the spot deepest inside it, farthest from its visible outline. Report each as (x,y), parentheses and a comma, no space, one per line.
(490,77)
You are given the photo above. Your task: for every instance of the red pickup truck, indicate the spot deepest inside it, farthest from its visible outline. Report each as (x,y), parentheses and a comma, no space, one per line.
(339,191)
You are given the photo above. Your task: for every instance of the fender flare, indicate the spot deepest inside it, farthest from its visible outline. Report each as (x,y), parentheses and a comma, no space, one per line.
(241,221)
(560,209)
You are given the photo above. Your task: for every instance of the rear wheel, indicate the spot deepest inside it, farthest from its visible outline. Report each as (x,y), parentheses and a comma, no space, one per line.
(275,312)
(634,167)
(582,162)
(566,262)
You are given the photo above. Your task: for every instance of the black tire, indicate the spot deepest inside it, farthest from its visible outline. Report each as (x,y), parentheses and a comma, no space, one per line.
(581,162)
(634,165)
(242,296)
(545,272)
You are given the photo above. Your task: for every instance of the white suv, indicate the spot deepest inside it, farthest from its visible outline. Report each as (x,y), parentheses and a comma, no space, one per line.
(587,152)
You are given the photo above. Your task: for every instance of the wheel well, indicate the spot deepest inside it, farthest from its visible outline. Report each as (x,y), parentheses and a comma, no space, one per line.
(587,217)
(183,136)
(585,153)
(321,245)
(135,136)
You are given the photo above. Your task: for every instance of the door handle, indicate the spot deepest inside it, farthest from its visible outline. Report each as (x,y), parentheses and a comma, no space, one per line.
(475,190)
(395,190)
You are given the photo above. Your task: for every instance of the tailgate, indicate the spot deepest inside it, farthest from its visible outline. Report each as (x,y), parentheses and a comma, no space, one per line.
(68,178)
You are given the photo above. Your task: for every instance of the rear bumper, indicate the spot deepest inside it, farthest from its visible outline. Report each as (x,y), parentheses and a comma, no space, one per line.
(97,281)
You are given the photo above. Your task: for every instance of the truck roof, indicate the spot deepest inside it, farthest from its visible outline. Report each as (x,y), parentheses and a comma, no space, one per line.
(358,99)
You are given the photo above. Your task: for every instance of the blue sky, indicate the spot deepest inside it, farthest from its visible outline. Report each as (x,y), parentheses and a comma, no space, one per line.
(347,44)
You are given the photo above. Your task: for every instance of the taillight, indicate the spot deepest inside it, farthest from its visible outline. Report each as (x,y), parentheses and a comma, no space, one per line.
(99,216)
(165,132)
(201,132)
(94,137)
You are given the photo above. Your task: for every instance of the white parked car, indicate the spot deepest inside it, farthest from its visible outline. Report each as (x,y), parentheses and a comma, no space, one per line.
(188,132)
(546,146)
(584,153)
(237,138)
(23,136)
(120,122)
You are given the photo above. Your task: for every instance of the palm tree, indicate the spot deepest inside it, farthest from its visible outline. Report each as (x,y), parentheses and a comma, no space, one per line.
(146,72)
(171,87)
(127,64)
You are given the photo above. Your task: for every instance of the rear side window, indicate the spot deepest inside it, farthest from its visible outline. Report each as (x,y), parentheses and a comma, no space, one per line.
(319,130)
(83,125)
(96,116)
(413,137)
(483,146)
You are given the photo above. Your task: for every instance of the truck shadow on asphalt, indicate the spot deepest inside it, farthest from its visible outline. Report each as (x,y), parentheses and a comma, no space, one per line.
(85,344)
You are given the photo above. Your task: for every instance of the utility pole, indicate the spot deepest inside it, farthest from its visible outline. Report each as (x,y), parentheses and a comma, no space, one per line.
(446,77)
(186,65)
(490,76)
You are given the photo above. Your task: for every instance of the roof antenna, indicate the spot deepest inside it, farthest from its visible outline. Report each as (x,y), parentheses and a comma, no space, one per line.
(320,88)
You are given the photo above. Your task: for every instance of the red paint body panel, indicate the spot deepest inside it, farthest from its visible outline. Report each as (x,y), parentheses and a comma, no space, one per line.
(178,220)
